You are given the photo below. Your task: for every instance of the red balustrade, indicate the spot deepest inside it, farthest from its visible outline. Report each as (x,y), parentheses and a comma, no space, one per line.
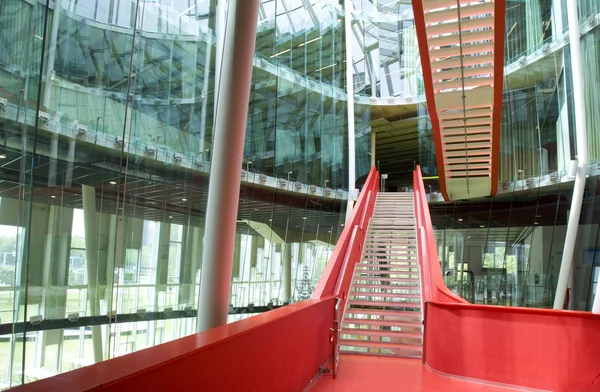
(545,349)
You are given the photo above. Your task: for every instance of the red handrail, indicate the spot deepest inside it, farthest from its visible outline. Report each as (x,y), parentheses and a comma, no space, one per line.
(434,288)
(537,348)
(336,277)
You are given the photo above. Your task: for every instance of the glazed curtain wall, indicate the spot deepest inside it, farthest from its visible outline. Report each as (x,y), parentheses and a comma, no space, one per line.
(103,194)
(538,126)
(508,250)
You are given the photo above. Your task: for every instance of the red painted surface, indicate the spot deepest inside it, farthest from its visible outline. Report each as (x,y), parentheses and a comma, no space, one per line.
(499,34)
(431,275)
(359,217)
(545,349)
(429,93)
(370,373)
(280,350)
(537,348)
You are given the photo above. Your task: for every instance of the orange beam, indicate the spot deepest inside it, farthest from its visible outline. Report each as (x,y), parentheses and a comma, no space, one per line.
(499,33)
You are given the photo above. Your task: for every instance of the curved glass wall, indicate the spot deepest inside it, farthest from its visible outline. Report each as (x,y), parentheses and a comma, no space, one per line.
(508,250)
(106,128)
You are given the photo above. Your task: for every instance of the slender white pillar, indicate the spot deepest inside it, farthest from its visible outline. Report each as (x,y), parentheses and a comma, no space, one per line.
(88,194)
(226,163)
(220,23)
(568,256)
(286,280)
(350,91)
(373,147)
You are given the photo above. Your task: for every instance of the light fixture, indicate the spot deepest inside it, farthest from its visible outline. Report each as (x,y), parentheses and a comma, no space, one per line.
(184,199)
(53,197)
(256,209)
(113,183)
(308,42)
(304,217)
(280,53)
(482,226)
(536,223)
(270,220)
(460,219)
(2,156)
(170,216)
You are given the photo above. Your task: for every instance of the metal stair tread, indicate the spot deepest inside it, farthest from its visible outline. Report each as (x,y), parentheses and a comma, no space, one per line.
(415,315)
(383,345)
(382,323)
(382,295)
(382,333)
(384,304)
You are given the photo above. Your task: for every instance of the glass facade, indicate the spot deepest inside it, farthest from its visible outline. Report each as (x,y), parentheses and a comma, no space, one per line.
(106,122)
(507,250)
(106,128)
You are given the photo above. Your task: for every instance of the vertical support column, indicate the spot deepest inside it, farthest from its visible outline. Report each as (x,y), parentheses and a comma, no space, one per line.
(568,256)
(91,260)
(373,148)
(443,253)
(235,270)
(237,254)
(55,279)
(287,273)
(49,77)
(228,148)
(350,102)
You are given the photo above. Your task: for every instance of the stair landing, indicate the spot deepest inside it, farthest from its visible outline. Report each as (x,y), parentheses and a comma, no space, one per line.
(368,373)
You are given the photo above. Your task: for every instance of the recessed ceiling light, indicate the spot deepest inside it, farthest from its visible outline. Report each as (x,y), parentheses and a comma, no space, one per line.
(270,220)
(482,226)
(342,224)
(303,217)
(184,199)
(460,219)
(538,216)
(53,197)
(536,223)
(256,209)
(113,183)
(2,156)
(171,216)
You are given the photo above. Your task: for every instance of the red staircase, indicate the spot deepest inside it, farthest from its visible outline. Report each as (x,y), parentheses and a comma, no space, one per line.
(384,314)
(461,43)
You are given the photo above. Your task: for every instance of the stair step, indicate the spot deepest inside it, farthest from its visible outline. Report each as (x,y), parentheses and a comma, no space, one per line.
(387,272)
(384,304)
(383,323)
(384,295)
(382,333)
(412,315)
(383,279)
(381,345)
(387,287)
(398,260)
(387,266)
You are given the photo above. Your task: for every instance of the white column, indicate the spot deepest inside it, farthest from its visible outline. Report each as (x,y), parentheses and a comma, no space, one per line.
(373,147)
(286,280)
(88,194)
(226,164)
(350,102)
(568,256)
